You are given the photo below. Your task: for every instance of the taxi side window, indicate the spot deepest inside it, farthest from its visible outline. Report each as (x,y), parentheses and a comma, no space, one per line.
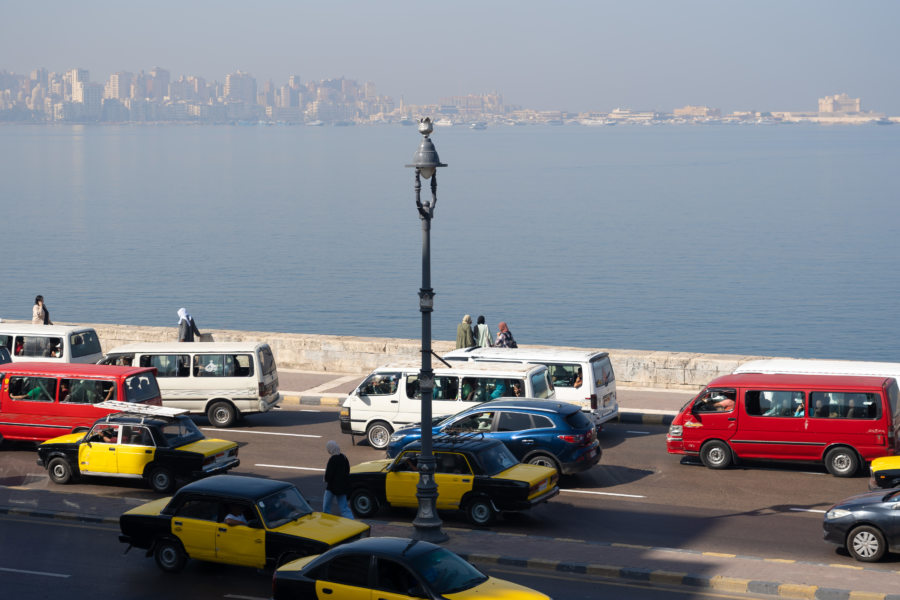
(395,578)
(452,463)
(204,510)
(350,569)
(408,461)
(135,435)
(104,433)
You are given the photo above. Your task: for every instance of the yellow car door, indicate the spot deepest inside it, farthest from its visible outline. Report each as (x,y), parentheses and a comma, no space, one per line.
(195,523)
(136,450)
(346,578)
(98,453)
(453,477)
(400,482)
(239,544)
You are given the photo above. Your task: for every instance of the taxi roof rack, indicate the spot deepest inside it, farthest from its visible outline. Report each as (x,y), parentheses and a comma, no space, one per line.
(141,409)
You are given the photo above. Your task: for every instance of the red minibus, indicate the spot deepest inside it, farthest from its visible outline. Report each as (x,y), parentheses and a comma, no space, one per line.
(39,401)
(842,421)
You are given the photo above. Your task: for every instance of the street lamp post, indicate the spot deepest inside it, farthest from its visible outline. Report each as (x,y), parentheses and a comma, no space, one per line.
(425,161)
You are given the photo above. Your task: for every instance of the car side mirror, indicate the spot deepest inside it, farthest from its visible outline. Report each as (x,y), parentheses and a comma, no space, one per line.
(896,506)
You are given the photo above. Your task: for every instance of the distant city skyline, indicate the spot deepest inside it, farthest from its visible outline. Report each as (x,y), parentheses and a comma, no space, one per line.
(576,56)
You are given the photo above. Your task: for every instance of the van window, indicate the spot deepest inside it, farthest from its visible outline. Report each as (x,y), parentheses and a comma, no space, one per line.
(445,387)
(86,391)
(501,388)
(266,360)
(7,342)
(380,384)
(34,389)
(38,345)
(119,360)
(84,343)
(563,375)
(774,403)
(715,400)
(539,386)
(140,388)
(603,371)
(168,365)
(845,405)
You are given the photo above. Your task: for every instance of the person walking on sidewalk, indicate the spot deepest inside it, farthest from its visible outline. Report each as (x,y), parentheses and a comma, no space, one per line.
(483,334)
(39,313)
(464,338)
(187,329)
(504,337)
(337,481)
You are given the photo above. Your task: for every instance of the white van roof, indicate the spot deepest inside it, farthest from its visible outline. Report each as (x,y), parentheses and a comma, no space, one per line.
(185,347)
(526,354)
(29,329)
(494,369)
(821,367)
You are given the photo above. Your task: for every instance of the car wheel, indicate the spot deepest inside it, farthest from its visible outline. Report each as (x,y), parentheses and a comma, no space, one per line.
(169,556)
(379,434)
(716,455)
(364,503)
(162,480)
(479,511)
(866,543)
(542,460)
(60,471)
(841,462)
(221,414)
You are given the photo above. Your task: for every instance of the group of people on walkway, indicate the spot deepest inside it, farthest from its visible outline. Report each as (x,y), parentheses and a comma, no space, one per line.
(480,335)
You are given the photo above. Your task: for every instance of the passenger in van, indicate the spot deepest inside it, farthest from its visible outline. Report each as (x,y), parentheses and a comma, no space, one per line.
(854,411)
(468,390)
(499,389)
(722,403)
(821,410)
(578,381)
(779,408)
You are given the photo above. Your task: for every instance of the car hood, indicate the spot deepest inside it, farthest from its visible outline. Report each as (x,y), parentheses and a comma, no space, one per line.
(497,589)
(323,527)
(862,499)
(151,508)
(69,438)
(208,447)
(372,466)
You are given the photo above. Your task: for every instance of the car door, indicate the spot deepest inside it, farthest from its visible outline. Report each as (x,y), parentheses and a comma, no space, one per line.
(400,482)
(515,430)
(344,577)
(453,476)
(135,451)
(393,581)
(99,453)
(196,523)
(241,544)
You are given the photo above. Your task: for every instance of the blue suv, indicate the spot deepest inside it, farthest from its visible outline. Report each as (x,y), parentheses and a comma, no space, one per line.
(539,432)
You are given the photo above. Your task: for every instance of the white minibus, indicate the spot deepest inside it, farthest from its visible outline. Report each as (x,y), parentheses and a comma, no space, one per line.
(50,343)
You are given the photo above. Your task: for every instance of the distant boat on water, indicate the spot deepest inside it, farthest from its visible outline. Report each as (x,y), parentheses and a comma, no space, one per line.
(407,121)
(444,122)
(316,123)
(478,125)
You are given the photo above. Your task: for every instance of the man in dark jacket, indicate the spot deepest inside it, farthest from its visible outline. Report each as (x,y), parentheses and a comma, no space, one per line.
(187,329)
(337,480)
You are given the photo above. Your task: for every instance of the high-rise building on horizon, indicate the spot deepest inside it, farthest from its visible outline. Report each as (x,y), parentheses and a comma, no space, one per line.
(240,87)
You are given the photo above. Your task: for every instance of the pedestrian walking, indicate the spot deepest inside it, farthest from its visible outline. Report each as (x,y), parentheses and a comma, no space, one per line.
(337,481)
(464,337)
(483,334)
(187,329)
(504,337)
(39,313)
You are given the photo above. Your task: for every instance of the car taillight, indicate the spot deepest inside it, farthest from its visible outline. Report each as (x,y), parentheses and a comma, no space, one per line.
(573,439)
(262,389)
(593,400)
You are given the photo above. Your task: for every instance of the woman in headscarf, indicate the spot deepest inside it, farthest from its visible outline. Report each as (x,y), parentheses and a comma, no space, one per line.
(504,337)
(464,338)
(39,313)
(337,480)
(483,334)
(187,329)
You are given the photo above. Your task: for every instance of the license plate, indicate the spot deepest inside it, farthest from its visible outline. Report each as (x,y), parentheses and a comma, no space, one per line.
(591,453)
(542,486)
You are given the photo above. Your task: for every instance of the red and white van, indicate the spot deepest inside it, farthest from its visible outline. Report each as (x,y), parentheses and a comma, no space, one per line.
(39,401)
(843,421)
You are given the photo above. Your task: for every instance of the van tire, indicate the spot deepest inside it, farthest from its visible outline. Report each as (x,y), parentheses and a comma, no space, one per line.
(842,461)
(221,414)
(379,434)
(364,503)
(716,454)
(60,471)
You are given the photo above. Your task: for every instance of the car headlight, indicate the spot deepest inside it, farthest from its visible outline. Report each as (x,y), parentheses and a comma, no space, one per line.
(675,430)
(396,437)
(837,513)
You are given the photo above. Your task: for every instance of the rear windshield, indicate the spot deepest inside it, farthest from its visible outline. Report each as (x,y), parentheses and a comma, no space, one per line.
(603,371)
(141,387)
(180,432)
(496,459)
(578,420)
(84,343)
(266,360)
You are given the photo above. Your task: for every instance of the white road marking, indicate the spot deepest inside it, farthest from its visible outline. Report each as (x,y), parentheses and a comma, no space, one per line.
(639,432)
(602,493)
(309,410)
(303,435)
(812,510)
(45,574)
(289,467)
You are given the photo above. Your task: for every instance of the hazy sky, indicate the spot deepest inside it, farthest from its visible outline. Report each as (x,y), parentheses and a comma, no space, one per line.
(579,55)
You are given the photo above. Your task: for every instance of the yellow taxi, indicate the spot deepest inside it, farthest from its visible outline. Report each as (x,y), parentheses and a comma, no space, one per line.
(391,568)
(155,444)
(884,472)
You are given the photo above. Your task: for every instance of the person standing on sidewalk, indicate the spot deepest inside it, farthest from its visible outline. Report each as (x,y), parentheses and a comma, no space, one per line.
(464,338)
(39,313)
(337,481)
(504,337)
(187,329)
(483,334)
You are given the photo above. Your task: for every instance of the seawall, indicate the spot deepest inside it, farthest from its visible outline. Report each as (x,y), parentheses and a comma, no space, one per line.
(350,354)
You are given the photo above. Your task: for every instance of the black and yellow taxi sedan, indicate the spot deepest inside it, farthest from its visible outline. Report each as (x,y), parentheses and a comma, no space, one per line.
(477,475)
(244,521)
(884,472)
(394,568)
(159,445)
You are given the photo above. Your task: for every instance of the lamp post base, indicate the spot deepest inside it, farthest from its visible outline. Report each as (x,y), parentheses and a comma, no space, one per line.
(427,523)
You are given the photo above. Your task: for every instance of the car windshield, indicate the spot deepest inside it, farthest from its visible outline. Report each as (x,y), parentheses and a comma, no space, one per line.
(283,507)
(180,432)
(445,572)
(496,459)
